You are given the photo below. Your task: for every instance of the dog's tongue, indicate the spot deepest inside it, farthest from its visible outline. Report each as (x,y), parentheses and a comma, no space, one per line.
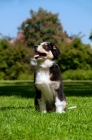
(36,56)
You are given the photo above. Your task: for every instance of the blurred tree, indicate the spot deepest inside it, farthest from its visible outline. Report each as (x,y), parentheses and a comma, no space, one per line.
(14,60)
(75,55)
(42,26)
(90,37)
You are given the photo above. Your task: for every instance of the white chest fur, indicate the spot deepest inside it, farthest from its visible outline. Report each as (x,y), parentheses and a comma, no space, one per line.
(43,76)
(44,84)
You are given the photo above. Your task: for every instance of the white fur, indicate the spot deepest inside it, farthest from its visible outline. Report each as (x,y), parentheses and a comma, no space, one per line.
(44,84)
(33,62)
(72,107)
(46,64)
(60,105)
(43,43)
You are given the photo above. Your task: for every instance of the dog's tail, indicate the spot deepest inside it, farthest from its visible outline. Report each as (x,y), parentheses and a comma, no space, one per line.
(72,107)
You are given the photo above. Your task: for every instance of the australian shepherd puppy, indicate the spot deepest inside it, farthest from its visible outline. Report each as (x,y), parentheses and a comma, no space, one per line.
(47,79)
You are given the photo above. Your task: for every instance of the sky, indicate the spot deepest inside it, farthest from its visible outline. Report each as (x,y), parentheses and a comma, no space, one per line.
(74,15)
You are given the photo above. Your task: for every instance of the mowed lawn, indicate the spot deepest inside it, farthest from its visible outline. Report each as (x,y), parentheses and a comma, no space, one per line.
(20,121)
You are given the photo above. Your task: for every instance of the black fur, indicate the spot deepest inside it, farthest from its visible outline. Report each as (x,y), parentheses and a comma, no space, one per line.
(56,76)
(55,51)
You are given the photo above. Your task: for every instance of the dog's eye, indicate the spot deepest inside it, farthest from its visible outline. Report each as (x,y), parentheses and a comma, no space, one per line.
(46,47)
(46,44)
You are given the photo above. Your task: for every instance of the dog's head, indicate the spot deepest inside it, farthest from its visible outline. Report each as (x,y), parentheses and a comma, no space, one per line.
(46,50)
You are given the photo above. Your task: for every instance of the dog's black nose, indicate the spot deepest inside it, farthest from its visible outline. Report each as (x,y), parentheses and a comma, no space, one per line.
(35,47)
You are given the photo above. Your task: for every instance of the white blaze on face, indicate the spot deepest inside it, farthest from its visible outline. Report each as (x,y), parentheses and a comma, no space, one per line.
(44,43)
(41,49)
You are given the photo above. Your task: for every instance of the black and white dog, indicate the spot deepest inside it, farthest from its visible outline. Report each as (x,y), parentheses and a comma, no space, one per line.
(47,79)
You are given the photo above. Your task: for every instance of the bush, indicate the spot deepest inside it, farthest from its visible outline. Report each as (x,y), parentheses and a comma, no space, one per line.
(25,76)
(14,60)
(2,75)
(75,56)
(77,75)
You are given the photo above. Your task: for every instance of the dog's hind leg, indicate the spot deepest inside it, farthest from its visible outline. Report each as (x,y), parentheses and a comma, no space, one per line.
(60,105)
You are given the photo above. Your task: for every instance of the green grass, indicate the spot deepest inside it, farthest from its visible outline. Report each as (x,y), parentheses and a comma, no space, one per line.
(20,121)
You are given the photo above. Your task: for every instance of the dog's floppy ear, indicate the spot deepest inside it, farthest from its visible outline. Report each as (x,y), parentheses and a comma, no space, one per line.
(55,50)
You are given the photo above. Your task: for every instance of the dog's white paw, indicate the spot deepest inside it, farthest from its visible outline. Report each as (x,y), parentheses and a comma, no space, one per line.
(59,112)
(44,111)
(33,62)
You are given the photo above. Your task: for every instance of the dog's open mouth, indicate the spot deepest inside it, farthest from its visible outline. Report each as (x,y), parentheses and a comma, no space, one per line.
(39,55)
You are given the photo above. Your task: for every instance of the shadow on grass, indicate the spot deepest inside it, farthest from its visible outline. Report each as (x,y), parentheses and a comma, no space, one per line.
(11,107)
(26,89)
(19,89)
(78,88)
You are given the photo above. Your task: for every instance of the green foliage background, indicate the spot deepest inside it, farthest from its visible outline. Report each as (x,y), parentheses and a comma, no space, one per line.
(75,55)
(75,60)
(14,60)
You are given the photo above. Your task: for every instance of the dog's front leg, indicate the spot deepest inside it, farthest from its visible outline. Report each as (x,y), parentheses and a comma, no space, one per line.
(60,105)
(42,105)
